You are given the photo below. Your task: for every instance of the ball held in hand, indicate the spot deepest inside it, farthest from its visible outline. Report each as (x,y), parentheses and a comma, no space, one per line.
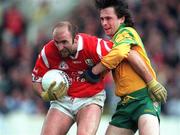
(54,75)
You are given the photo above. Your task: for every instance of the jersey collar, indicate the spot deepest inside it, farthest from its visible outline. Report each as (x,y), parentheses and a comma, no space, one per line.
(120,27)
(79,47)
(80,43)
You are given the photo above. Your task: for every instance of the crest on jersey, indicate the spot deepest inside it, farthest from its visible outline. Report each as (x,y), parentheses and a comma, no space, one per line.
(89,62)
(63,65)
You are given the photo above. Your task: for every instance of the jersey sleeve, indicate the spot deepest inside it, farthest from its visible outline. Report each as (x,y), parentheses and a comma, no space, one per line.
(123,41)
(103,47)
(115,56)
(41,67)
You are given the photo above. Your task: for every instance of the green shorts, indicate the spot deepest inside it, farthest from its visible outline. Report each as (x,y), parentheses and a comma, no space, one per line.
(131,107)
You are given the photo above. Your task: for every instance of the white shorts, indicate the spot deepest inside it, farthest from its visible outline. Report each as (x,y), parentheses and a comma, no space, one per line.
(71,106)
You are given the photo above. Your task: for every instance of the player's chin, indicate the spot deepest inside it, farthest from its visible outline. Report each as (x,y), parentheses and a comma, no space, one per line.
(64,54)
(108,32)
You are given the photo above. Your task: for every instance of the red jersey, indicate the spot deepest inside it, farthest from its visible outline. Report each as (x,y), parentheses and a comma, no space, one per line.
(89,52)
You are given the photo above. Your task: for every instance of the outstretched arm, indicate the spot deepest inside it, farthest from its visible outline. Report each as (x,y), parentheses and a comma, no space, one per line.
(135,61)
(112,59)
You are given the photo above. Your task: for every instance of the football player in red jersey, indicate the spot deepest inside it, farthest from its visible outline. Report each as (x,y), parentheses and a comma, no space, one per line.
(72,53)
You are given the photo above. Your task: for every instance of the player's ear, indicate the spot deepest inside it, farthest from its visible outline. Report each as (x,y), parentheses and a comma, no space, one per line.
(122,19)
(75,41)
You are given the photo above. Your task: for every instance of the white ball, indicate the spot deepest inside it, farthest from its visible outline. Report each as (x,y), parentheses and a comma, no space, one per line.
(54,75)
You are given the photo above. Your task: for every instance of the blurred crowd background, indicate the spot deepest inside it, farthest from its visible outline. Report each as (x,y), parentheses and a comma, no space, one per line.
(25,26)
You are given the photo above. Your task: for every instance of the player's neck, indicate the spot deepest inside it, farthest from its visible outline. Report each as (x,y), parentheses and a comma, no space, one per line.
(74,50)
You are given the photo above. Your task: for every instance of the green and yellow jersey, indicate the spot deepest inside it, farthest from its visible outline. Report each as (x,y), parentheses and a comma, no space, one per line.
(125,78)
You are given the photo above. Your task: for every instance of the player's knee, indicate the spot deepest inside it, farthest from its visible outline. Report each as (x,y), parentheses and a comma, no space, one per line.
(87,132)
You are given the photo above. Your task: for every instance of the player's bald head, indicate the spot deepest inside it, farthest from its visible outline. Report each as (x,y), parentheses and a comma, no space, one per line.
(66,25)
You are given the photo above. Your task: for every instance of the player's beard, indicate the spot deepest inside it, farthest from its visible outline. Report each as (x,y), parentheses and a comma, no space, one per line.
(65,53)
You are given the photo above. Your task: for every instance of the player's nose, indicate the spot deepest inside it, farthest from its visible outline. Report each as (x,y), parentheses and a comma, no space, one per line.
(60,47)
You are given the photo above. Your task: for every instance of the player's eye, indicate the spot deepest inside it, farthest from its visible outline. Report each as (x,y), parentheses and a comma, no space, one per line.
(56,42)
(64,42)
(108,18)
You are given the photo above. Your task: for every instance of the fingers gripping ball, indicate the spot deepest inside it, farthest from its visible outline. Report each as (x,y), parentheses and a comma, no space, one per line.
(55,84)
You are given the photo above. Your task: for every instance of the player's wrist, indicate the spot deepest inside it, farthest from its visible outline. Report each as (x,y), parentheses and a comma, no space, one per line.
(45,96)
(92,74)
(90,77)
(152,83)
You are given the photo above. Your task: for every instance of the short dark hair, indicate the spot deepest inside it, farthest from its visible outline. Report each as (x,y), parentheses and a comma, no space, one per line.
(71,27)
(120,7)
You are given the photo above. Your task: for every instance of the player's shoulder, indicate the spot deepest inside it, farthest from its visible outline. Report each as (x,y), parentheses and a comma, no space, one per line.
(125,32)
(128,31)
(49,44)
(87,36)
(82,34)
(48,48)
(87,39)
(131,30)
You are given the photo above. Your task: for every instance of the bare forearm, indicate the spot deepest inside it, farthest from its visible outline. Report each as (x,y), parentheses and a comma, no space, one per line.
(37,88)
(139,66)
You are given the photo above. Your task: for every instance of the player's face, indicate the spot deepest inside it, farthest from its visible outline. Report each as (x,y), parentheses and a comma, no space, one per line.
(109,21)
(63,41)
